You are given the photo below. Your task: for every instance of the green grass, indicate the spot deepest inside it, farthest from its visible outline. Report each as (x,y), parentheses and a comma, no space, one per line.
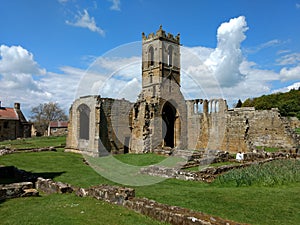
(140,159)
(275,173)
(67,209)
(256,204)
(197,168)
(35,142)
(297,130)
(268,149)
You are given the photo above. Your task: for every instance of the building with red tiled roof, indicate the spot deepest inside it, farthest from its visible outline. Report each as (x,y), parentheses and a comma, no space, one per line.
(13,123)
(57,128)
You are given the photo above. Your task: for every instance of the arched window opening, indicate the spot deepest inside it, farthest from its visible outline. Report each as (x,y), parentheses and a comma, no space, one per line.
(170,55)
(151,56)
(84,122)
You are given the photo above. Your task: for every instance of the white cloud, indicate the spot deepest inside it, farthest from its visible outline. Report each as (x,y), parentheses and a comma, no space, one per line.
(298,5)
(85,21)
(16,59)
(116,5)
(288,88)
(289,59)
(225,60)
(290,73)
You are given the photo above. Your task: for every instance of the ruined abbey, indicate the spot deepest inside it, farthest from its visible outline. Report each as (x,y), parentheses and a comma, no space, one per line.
(162,119)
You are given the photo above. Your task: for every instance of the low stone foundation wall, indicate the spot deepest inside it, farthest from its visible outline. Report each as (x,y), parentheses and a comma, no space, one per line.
(112,194)
(207,174)
(173,214)
(49,186)
(108,193)
(5,151)
(16,190)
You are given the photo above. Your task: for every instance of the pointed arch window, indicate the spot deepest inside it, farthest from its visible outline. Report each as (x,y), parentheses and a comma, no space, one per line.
(151,56)
(170,55)
(84,121)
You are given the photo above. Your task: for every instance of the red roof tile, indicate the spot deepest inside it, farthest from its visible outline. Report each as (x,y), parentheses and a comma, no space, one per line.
(8,114)
(58,124)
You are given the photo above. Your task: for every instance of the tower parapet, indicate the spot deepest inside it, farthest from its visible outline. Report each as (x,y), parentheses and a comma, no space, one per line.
(161,34)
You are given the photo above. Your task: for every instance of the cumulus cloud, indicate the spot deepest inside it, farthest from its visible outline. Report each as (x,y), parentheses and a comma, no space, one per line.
(85,21)
(225,60)
(16,59)
(116,5)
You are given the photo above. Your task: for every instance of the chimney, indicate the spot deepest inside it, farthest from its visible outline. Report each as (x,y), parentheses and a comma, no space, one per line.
(17,105)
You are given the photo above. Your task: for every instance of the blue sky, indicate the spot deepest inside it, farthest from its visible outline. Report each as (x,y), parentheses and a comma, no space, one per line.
(249,47)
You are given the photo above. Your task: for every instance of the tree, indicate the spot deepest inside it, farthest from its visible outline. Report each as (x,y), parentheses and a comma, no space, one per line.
(42,114)
(239,104)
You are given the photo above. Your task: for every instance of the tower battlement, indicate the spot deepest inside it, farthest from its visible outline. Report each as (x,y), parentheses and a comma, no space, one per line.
(161,34)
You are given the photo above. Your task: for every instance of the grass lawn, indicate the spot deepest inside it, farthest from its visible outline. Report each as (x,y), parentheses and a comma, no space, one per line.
(67,209)
(34,142)
(278,204)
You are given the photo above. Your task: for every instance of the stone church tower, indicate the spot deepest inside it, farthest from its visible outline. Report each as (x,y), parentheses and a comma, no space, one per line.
(160,114)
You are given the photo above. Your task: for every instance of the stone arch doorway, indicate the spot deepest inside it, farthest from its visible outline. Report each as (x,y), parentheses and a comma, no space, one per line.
(168,126)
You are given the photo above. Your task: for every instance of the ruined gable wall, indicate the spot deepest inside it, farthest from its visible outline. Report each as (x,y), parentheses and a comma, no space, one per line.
(115,120)
(108,126)
(74,142)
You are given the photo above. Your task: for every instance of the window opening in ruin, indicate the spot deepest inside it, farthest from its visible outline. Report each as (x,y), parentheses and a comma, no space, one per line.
(136,111)
(84,122)
(151,56)
(168,117)
(126,145)
(170,55)
(5,125)
(151,78)
(200,107)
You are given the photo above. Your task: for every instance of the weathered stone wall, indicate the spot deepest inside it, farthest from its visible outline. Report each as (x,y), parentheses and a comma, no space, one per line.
(16,190)
(108,193)
(240,129)
(105,128)
(115,120)
(49,186)
(148,125)
(294,122)
(173,214)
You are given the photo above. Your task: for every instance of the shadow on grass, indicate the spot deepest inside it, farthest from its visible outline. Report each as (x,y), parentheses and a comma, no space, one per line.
(11,174)
(12,177)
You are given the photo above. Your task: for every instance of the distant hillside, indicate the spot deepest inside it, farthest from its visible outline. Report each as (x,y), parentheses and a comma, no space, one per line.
(288,103)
